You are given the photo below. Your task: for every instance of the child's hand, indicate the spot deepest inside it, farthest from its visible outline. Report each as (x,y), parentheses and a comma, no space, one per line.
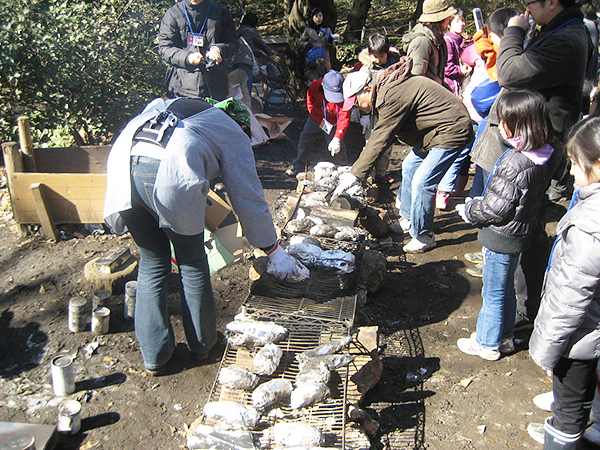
(460,208)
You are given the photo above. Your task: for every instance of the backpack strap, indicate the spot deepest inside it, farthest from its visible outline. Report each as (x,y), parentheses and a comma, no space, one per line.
(158,130)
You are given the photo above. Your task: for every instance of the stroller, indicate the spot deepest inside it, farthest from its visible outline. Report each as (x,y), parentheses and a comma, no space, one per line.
(275,89)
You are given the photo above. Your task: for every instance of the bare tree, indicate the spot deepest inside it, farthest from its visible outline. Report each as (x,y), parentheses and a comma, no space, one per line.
(357,19)
(418,12)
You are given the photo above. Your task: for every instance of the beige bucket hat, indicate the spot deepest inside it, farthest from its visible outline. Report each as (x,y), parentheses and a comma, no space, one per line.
(436,11)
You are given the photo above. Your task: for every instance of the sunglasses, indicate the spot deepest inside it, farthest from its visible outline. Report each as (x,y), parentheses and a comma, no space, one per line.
(531,2)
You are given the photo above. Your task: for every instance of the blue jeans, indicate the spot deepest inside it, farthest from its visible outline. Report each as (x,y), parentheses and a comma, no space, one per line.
(496,319)
(421,173)
(152,323)
(479,182)
(448,182)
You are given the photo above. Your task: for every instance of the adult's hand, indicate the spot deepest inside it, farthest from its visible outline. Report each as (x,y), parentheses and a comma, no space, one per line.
(215,54)
(522,20)
(283,264)
(195,58)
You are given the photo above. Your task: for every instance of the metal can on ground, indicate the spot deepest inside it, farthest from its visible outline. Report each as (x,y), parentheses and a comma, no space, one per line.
(22,442)
(78,314)
(63,380)
(100,320)
(129,301)
(100,298)
(69,417)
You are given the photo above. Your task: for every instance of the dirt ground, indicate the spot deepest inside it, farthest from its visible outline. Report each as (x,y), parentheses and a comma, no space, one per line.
(430,394)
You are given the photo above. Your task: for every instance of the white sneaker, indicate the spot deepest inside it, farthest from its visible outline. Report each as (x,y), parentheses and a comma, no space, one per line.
(471,347)
(405,225)
(506,346)
(536,431)
(592,434)
(420,244)
(397,204)
(544,401)
(474,258)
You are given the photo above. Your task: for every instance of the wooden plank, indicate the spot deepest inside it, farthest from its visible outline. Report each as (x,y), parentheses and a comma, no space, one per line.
(26,143)
(71,198)
(45,219)
(88,159)
(13,159)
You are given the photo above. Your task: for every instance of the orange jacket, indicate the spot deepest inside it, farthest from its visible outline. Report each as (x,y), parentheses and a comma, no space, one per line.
(488,51)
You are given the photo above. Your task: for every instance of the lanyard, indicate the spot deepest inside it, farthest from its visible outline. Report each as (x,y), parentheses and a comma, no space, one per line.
(187,15)
(550,34)
(325,113)
(494,168)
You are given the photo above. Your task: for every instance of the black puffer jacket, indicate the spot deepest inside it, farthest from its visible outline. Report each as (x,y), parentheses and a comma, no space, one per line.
(508,212)
(204,80)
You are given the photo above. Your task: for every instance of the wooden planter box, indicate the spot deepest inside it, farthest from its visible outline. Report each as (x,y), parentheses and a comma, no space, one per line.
(67,185)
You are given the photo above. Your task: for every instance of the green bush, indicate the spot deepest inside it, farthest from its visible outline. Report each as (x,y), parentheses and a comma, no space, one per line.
(347,53)
(80,67)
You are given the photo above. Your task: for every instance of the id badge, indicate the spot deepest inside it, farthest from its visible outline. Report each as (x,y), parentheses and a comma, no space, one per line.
(326,126)
(196,40)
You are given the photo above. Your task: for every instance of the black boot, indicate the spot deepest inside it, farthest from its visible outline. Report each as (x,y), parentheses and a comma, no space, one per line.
(557,440)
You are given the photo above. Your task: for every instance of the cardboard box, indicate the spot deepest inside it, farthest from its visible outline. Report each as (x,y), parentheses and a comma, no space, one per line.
(216,211)
(224,247)
(223,244)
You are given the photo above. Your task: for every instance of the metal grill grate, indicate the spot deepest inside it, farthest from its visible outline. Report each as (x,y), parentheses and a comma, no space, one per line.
(328,416)
(338,310)
(315,312)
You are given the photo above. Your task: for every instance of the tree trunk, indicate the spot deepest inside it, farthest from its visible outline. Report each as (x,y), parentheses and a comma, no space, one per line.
(417,13)
(297,17)
(356,20)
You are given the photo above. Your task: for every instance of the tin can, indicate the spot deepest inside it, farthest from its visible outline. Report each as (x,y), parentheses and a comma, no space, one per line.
(129,301)
(22,442)
(69,417)
(63,380)
(100,298)
(100,320)
(78,314)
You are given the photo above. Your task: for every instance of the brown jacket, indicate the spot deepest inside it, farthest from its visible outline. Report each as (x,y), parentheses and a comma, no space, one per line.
(417,111)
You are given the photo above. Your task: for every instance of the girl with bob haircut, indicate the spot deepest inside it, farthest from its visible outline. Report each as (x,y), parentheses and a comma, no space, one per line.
(507,215)
(566,337)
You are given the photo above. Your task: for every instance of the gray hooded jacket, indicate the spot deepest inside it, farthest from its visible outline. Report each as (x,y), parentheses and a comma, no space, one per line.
(569,317)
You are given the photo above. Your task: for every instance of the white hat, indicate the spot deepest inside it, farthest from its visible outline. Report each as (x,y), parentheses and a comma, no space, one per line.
(356,82)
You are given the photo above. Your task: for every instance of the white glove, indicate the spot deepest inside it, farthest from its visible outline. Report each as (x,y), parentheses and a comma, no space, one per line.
(335,146)
(283,264)
(365,123)
(345,181)
(461,209)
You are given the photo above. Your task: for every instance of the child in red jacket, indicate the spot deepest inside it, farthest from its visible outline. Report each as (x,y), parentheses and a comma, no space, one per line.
(327,119)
